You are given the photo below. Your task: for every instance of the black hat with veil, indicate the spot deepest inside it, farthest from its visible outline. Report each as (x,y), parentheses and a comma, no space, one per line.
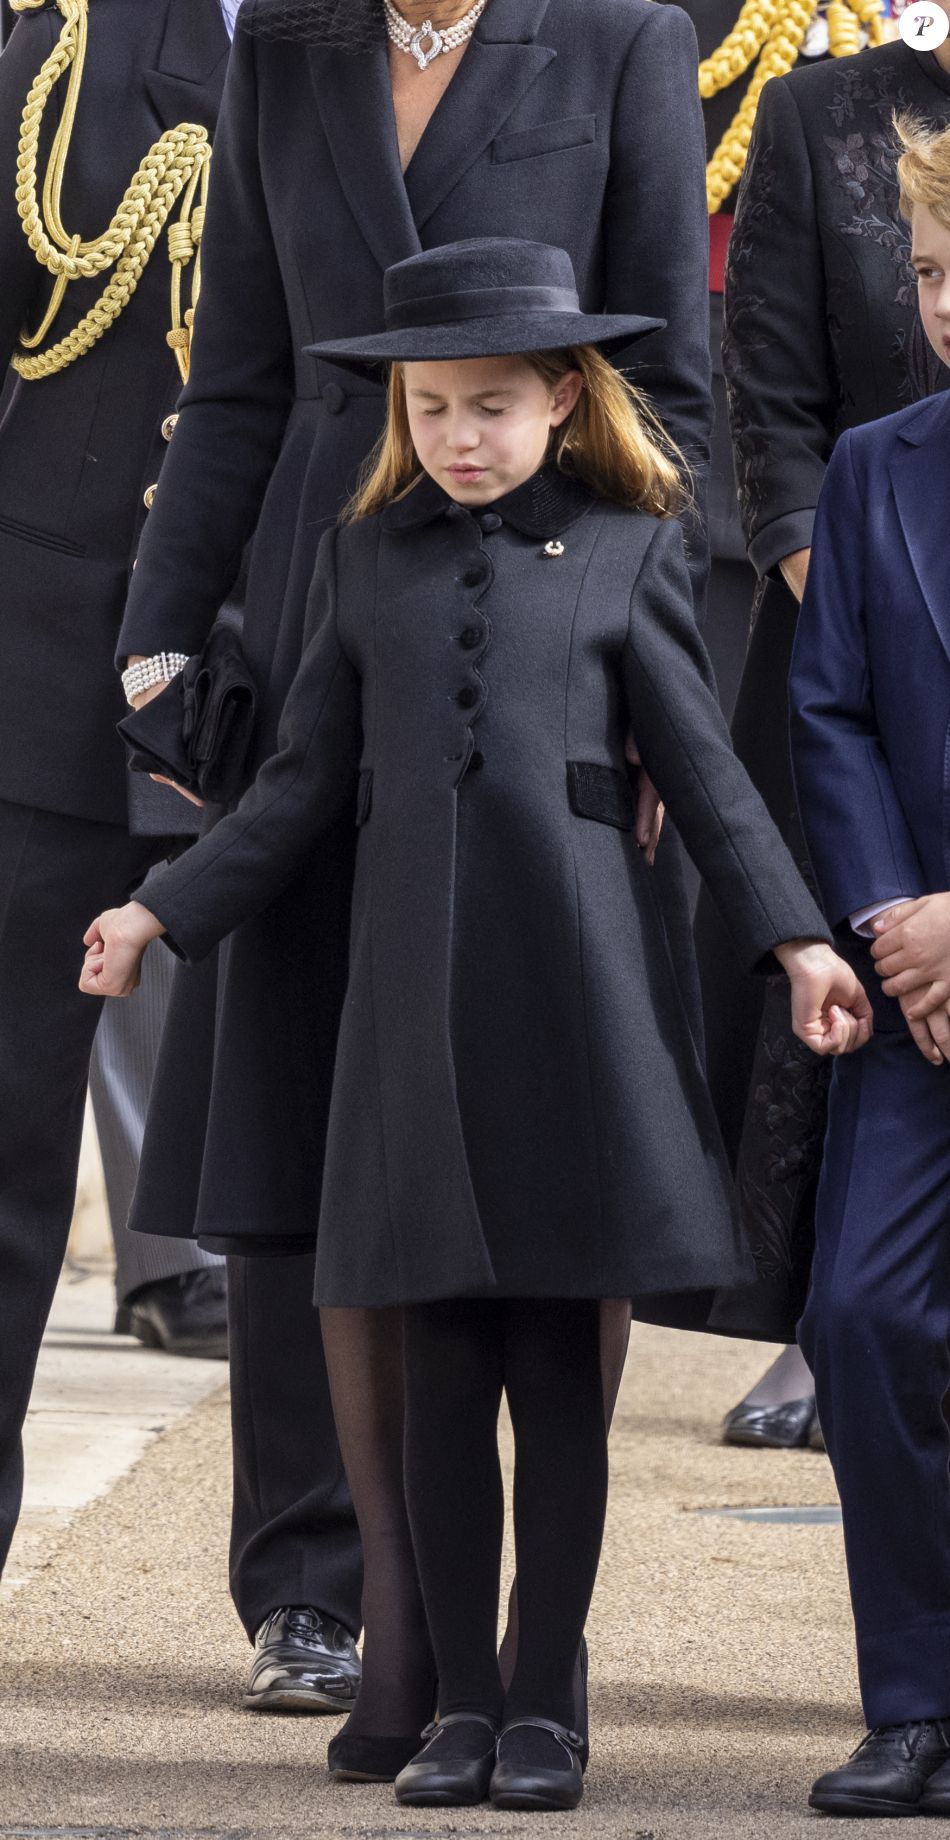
(344,25)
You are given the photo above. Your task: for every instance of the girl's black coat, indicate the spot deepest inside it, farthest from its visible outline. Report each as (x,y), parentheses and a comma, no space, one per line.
(517,1106)
(573,121)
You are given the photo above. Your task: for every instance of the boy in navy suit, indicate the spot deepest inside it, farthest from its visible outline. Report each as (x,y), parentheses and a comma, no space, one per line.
(870,699)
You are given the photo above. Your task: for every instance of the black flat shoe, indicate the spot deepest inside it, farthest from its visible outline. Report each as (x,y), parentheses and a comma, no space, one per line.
(454,1767)
(303,1662)
(889,1772)
(186,1315)
(370,1759)
(542,1768)
(786,1427)
(936,1796)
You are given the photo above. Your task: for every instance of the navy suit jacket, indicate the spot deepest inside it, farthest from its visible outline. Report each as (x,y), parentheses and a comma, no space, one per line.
(870,680)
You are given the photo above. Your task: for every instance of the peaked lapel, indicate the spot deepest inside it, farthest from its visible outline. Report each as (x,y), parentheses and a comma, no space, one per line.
(355,103)
(188,79)
(499,67)
(920,476)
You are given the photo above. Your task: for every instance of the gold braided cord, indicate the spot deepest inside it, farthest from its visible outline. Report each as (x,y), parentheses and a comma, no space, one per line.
(774,32)
(175,164)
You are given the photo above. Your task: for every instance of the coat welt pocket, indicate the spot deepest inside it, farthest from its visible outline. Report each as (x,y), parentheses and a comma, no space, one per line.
(44,539)
(364,795)
(547,137)
(601,793)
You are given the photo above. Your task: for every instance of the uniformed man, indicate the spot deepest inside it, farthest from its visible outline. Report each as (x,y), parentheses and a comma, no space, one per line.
(106,113)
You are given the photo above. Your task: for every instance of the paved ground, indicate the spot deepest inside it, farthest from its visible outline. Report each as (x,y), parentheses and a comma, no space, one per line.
(722,1667)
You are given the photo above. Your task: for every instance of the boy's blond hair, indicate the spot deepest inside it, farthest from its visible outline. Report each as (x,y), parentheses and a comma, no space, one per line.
(612,440)
(923,170)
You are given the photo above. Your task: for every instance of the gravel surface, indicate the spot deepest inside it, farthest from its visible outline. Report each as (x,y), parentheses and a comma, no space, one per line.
(721,1653)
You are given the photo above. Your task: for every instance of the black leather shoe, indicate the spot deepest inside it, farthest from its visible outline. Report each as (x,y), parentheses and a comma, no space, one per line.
(936,1795)
(888,1773)
(303,1662)
(542,1768)
(183,1315)
(455,1765)
(786,1427)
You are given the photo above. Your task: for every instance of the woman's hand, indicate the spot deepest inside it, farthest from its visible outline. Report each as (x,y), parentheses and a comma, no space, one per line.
(650,808)
(831,1013)
(139,702)
(115,945)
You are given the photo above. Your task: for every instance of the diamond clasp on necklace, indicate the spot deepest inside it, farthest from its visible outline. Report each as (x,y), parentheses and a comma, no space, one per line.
(426,31)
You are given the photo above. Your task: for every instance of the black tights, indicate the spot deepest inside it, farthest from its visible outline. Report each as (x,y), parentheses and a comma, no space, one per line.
(546,1357)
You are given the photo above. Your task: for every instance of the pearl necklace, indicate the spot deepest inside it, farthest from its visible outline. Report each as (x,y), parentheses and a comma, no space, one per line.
(424,42)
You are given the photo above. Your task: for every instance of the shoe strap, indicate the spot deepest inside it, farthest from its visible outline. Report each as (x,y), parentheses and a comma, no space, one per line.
(570,1741)
(458,1718)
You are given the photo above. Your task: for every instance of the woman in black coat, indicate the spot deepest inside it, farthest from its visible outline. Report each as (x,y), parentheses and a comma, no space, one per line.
(822,334)
(327,169)
(519,1123)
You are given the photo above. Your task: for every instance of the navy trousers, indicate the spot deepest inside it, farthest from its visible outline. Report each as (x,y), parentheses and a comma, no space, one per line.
(876,1332)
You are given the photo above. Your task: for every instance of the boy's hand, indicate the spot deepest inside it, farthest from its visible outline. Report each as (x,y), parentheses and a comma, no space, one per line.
(911,952)
(831,1013)
(931,1032)
(115,945)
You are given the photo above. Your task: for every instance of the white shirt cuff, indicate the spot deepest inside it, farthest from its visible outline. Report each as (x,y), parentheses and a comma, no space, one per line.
(862,917)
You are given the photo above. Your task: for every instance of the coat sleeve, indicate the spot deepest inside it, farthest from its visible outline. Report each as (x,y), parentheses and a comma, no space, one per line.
(242,865)
(776,351)
(684,744)
(235,408)
(24,285)
(858,838)
(656,230)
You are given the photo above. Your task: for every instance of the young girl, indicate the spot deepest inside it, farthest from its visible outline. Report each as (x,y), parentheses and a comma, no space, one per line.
(520,1126)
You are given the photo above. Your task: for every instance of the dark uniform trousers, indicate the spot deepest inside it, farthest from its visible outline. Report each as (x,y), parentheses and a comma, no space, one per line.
(56,874)
(875,1333)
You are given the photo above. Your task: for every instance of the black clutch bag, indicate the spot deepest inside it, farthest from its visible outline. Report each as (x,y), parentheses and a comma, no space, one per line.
(198,732)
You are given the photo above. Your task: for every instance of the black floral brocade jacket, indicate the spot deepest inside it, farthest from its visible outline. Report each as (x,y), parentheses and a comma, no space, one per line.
(822,331)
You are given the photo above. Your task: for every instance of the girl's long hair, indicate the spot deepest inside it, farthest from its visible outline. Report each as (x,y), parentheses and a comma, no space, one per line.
(612,440)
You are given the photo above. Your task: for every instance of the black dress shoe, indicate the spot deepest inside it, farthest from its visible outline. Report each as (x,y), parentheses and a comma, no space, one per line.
(888,1773)
(183,1315)
(455,1765)
(303,1662)
(538,1767)
(936,1795)
(786,1427)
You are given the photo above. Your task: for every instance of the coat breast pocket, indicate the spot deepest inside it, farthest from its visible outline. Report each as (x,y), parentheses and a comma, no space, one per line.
(601,793)
(547,137)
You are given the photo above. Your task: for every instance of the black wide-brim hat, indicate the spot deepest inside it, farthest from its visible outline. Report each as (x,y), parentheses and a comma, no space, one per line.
(489,297)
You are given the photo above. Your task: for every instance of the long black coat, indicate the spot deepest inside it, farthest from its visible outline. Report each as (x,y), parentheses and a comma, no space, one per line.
(822,334)
(518,1107)
(554,126)
(78,449)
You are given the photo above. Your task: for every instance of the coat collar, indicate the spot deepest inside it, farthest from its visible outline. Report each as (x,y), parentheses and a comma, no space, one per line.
(354,100)
(187,82)
(920,475)
(547,504)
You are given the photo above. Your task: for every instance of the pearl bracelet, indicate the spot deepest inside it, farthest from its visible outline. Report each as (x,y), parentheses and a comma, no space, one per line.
(159,669)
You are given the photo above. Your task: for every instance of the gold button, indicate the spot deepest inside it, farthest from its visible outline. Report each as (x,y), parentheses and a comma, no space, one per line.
(149,498)
(168,426)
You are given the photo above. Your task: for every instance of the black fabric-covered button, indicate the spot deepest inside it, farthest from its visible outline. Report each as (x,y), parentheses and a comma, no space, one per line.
(473,578)
(490,520)
(467,697)
(470,638)
(333,397)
